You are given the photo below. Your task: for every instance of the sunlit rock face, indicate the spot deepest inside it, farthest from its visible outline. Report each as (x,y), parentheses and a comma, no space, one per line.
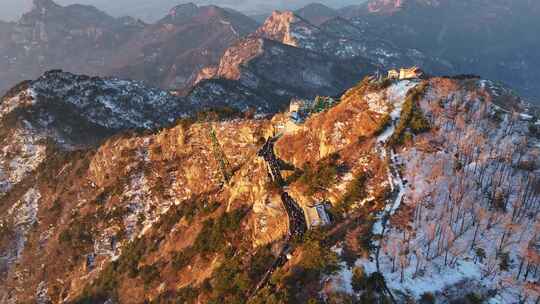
(86,198)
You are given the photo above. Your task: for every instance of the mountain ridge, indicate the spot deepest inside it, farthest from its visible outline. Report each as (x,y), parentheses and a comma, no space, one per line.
(49,37)
(494,32)
(317,13)
(145,213)
(307,160)
(157,54)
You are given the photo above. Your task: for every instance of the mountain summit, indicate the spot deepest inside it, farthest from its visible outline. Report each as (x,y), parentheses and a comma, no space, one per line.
(288,28)
(370,196)
(317,13)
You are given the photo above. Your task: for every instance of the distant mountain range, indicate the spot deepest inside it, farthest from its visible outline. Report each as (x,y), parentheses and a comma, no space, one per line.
(185,48)
(497,39)
(151,11)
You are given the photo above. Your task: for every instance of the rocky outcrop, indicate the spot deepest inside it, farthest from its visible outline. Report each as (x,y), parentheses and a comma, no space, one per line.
(289,29)
(237,56)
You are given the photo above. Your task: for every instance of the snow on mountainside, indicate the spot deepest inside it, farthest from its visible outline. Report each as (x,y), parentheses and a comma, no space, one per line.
(385,6)
(464,216)
(405,191)
(431,184)
(340,38)
(77,112)
(276,72)
(461,218)
(494,39)
(74,112)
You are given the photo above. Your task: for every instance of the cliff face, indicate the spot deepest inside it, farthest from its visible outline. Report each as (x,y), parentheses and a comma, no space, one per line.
(275,72)
(288,28)
(190,208)
(112,194)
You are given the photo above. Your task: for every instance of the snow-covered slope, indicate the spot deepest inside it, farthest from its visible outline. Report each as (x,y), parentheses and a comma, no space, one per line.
(73,112)
(64,104)
(275,72)
(412,190)
(464,215)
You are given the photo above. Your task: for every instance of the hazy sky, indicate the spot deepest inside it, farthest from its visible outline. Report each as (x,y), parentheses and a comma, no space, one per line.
(151,9)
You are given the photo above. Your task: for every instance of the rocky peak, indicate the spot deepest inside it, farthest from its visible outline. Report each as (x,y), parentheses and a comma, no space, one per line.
(190,13)
(65,18)
(239,22)
(237,55)
(41,10)
(287,28)
(316,7)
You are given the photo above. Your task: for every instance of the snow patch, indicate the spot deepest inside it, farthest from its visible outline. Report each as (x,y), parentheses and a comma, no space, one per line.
(22,154)
(19,219)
